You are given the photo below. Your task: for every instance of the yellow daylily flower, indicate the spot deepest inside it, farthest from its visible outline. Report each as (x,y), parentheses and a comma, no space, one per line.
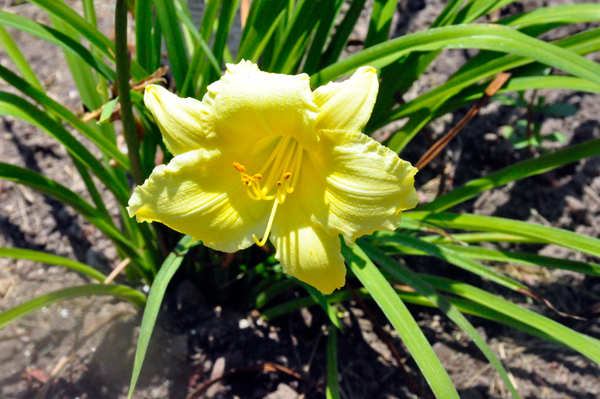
(263,156)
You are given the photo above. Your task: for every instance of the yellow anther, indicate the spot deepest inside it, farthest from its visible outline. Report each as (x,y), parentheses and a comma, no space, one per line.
(278,183)
(247,180)
(239,167)
(258,176)
(287,175)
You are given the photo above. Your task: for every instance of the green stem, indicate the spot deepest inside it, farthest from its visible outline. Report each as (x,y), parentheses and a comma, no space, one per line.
(122,58)
(333,385)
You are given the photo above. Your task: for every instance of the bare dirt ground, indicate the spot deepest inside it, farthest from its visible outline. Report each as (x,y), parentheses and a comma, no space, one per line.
(84,348)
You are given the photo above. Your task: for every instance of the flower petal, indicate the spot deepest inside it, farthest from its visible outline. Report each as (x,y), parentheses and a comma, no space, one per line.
(305,250)
(364,185)
(193,195)
(185,123)
(347,105)
(249,105)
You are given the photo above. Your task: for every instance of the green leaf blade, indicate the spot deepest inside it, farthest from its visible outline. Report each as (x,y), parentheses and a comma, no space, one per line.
(551,235)
(118,291)
(405,275)
(17,253)
(402,320)
(157,292)
(521,170)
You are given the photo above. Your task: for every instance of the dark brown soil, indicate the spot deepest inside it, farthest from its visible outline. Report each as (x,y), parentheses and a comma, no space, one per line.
(88,344)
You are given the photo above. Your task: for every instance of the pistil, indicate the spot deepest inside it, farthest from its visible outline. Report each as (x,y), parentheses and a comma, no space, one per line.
(262,242)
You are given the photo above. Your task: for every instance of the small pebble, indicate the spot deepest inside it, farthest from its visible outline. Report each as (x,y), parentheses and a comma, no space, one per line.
(574,204)
(244,324)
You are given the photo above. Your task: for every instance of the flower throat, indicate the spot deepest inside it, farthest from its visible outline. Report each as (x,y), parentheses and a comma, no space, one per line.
(279,176)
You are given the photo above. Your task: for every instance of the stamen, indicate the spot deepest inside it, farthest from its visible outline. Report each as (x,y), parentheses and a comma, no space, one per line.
(257,191)
(276,165)
(280,192)
(252,196)
(239,167)
(258,188)
(292,186)
(247,180)
(275,152)
(283,171)
(269,225)
(290,155)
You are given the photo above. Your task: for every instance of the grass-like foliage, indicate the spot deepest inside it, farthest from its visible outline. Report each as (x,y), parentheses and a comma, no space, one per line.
(308,36)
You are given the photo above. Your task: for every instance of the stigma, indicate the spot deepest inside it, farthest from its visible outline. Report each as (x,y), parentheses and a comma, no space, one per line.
(275,179)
